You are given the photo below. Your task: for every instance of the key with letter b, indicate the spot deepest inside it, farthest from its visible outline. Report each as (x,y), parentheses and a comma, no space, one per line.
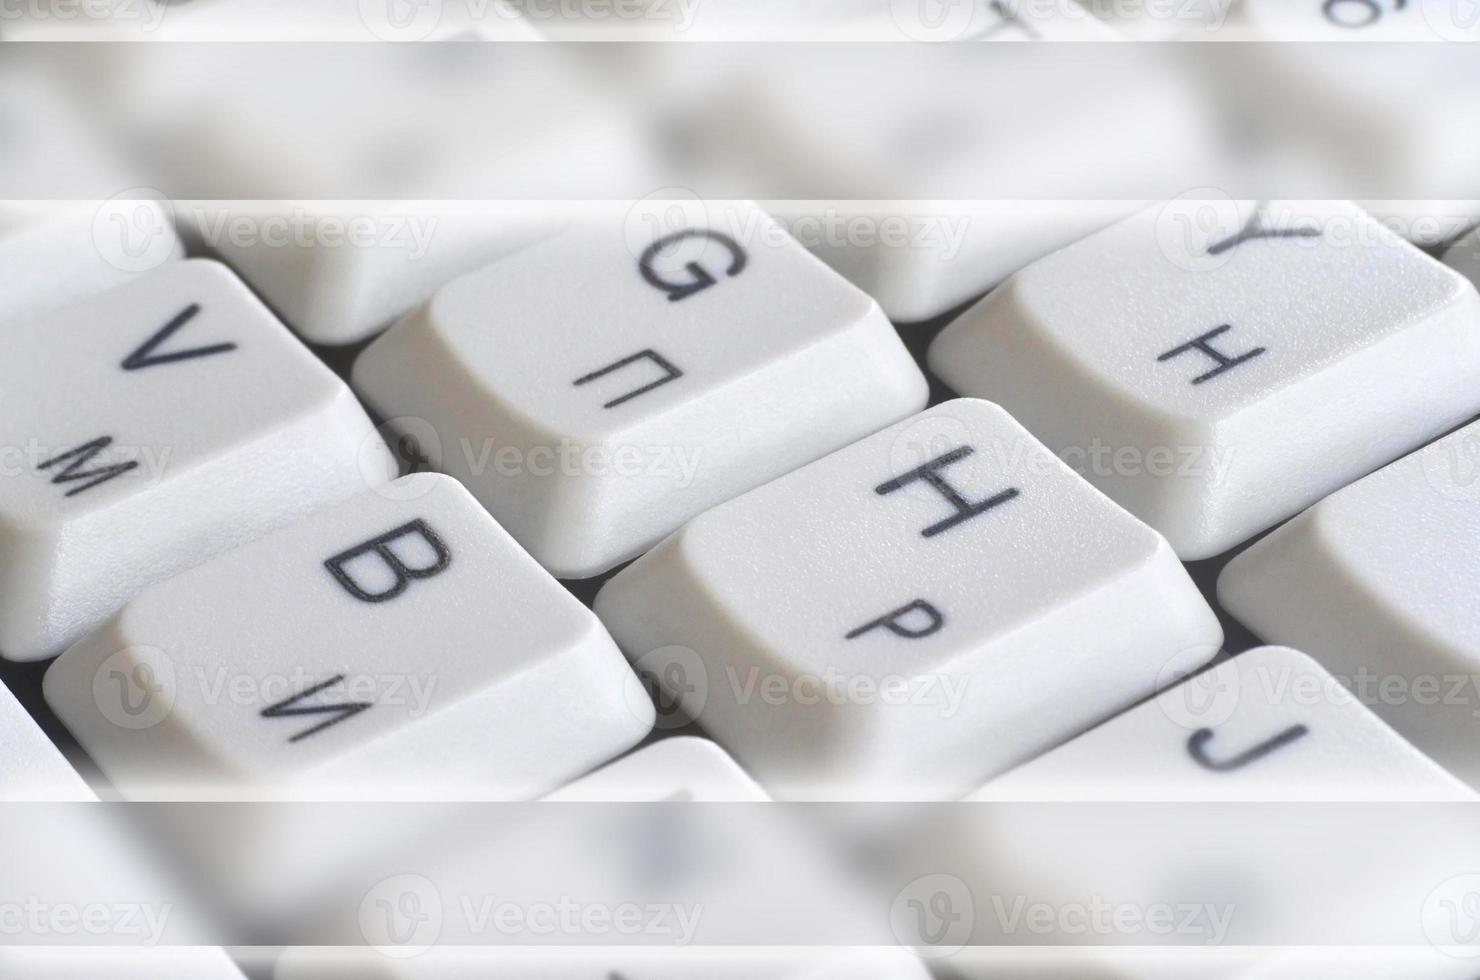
(597,390)
(400,643)
(1215,367)
(922,609)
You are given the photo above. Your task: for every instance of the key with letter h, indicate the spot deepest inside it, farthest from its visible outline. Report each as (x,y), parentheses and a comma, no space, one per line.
(1215,367)
(399,643)
(927,607)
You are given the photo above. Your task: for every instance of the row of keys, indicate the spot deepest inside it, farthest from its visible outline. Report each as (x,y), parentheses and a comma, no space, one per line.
(834,658)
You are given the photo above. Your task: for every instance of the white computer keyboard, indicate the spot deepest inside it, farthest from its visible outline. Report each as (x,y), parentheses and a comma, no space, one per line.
(679,501)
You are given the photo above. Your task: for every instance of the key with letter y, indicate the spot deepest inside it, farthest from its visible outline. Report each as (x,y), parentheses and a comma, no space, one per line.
(1214,367)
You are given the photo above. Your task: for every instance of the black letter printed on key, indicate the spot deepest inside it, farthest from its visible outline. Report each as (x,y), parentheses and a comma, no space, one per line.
(905,622)
(80,457)
(383,548)
(1197,747)
(291,707)
(1202,345)
(671,372)
(930,474)
(1254,229)
(700,278)
(145,355)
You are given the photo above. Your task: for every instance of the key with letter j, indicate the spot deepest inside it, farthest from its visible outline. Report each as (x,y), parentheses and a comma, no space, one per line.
(400,643)
(1377,582)
(1215,367)
(912,614)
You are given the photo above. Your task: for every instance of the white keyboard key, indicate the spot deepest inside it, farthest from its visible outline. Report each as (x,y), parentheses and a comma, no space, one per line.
(1376,582)
(31,768)
(55,255)
(1427,224)
(695,361)
(576,963)
(152,427)
(914,613)
(1216,367)
(1269,725)
(920,259)
(1162,20)
(400,644)
(117,963)
(341,271)
(675,769)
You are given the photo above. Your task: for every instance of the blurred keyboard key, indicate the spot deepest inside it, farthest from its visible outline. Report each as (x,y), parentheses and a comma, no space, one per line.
(398,645)
(597,390)
(1214,367)
(150,428)
(920,259)
(1376,583)
(338,272)
(910,615)
(117,963)
(54,255)
(575,963)
(1268,725)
